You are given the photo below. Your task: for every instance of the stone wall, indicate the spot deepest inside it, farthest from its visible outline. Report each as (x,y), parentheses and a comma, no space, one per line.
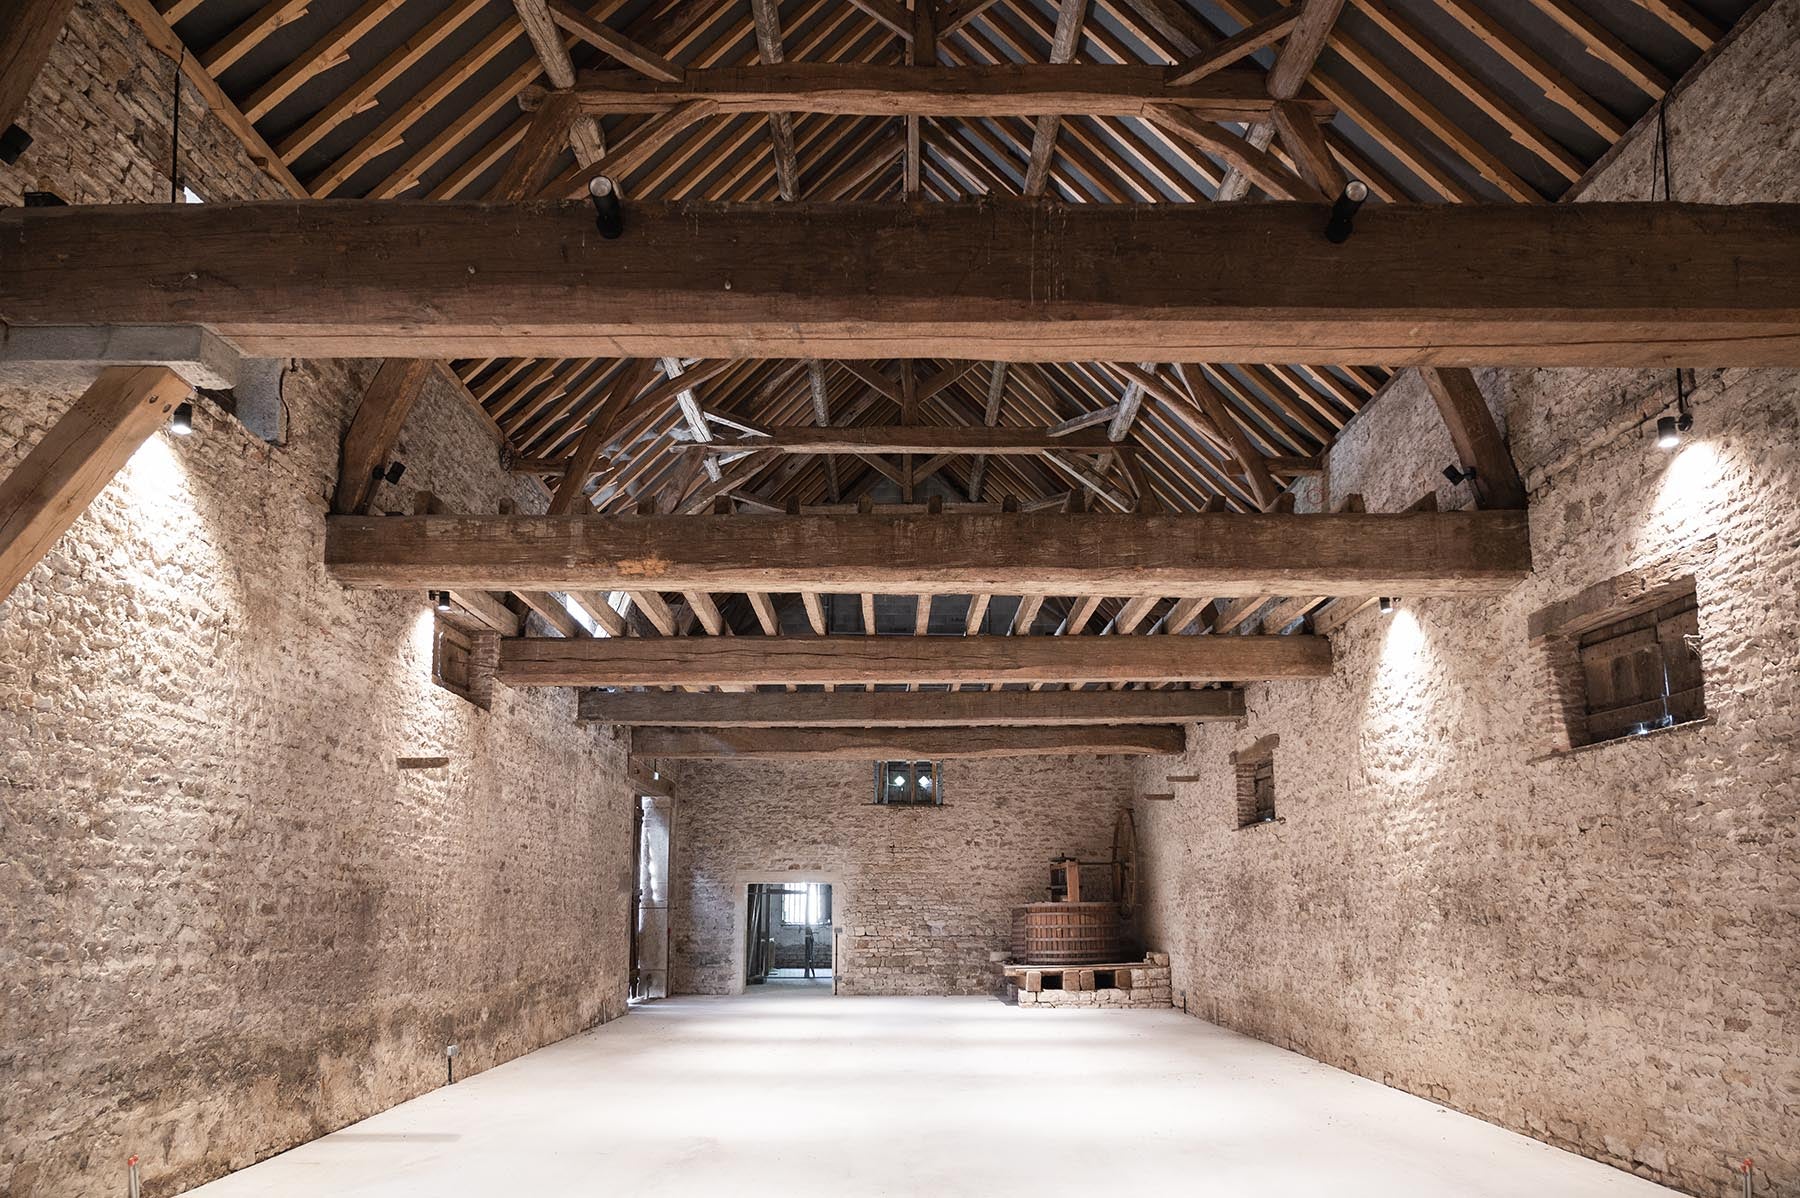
(922,895)
(229,922)
(1599,948)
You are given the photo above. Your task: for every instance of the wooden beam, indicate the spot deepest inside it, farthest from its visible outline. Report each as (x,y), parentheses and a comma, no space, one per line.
(920,439)
(766,16)
(1476,437)
(921,50)
(1219,412)
(571,490)
(880,660)
(911,744)
(1442,285)
(645,781)
(1238,46)
(546,137)
(647,141)
(910,709)
(656,610)
(1070,16)
(1449,553)
(551,610)
(80,454)
(893,17)
(1240,154)
(582,132)
(1306,145)
(1303,47)
(986,90)
(28,28)
(598,34)
(489,611)
(1305,42)
(369,443)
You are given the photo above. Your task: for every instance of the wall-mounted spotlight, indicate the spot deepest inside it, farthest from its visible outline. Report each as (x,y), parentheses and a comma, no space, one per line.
(181,422)
(1388,605)
(441,600)
(1670,429)
(13,144)
(1459,474)
(609,217)
(1343,211)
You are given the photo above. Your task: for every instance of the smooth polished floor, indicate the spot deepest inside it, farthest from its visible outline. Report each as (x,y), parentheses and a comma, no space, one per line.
(796,1093)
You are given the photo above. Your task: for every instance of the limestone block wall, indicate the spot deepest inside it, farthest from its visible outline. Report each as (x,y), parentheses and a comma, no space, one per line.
(229,921)
(1599,948)
(922,896)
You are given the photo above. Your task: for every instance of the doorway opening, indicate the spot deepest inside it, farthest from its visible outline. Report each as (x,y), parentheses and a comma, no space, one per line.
(788,945)
(653,825)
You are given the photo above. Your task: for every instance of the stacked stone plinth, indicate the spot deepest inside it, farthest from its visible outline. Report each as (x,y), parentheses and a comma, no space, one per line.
(1140,984)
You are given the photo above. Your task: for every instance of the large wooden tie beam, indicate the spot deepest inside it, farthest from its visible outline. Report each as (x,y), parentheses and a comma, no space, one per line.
(1417,284)
(769,660)
(909,709)
(901,744)
(993,90)
(1431,553)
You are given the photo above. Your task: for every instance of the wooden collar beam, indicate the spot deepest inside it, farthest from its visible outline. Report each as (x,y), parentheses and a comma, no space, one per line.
(1417,284)
(925,439)
(880,660)
(901,744)
(909,709)
(995,90)
(1417,554)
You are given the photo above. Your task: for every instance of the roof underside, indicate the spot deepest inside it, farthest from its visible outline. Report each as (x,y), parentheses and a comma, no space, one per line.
(1437,101)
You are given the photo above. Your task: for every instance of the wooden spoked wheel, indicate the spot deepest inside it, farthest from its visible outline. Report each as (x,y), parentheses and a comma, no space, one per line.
(1125,866)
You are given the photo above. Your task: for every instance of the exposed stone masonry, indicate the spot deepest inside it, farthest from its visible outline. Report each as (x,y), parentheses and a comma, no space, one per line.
(1597,947)
(229,921)
(1143,986)
(923,895)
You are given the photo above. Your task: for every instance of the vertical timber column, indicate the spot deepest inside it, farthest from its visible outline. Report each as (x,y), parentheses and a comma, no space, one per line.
(76,459)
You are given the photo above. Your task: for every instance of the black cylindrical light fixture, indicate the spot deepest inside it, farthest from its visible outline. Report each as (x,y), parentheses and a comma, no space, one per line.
(1388,605)
(609,217)
(1668,432)
(441,600)
(181,422)
(1343,211)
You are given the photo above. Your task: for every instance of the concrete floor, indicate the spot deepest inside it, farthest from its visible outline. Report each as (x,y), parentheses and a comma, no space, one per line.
(799,1094)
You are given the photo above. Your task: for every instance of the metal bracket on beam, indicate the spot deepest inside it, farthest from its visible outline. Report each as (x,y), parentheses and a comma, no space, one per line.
(201,357)
(203,360)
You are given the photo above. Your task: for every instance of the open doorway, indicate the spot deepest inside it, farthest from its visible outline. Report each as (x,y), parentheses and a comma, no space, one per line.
(788,942)
(654,829)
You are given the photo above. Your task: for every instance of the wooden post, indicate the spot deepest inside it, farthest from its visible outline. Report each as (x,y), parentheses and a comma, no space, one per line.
(76,459)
